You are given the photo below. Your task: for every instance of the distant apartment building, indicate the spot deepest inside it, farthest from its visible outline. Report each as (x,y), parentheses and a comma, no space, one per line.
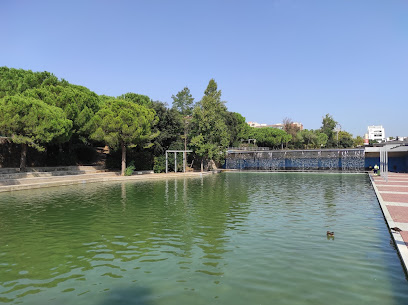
(299,125)
(256,124)
(376,133)
(278,125)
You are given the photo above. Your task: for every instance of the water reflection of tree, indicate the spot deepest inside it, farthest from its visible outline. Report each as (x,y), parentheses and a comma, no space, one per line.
(221,204)
(63,234)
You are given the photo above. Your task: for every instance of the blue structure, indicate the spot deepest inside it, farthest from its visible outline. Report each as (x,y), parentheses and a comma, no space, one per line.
(346,160)
(351,160)
(397,158)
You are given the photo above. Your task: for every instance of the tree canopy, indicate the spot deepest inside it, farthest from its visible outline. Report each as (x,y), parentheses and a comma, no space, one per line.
(15,81)
(269,137)
(140,99)
(31,122)
(328,126)
(120,124)
(210,135)
(237,127)
(40,110)
(183,101)
(79,103)
(168,128)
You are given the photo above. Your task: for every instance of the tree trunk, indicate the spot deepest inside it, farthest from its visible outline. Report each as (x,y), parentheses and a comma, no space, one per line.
(185,148)
(23,157)
(185,138)
(123,159)
(202,164)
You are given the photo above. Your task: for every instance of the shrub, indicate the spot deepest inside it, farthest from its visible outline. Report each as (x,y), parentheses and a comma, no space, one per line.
(130,169)
(159,164)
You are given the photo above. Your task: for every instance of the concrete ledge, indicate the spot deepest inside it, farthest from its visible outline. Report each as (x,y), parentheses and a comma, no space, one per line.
(7,170)
(143,172)
(41,179)
(23,175)
(399,242)
(108,177)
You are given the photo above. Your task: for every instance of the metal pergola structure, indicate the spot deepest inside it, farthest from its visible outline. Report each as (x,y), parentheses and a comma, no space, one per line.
(384,162)
(175,159)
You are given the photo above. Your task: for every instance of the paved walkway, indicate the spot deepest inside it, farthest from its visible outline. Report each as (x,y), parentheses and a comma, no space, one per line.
(393,198)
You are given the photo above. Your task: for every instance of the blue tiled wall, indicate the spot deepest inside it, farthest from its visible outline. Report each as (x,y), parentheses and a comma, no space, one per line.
(394,164)
(399,164)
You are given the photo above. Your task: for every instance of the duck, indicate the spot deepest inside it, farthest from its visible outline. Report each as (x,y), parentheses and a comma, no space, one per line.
(330,233)
(396,229)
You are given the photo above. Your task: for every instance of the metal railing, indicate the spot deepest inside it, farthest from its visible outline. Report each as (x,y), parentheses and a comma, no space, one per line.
(250,148)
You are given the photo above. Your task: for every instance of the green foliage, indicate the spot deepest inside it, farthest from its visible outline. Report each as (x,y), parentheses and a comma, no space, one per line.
(130,169)
(33,122)
(328,125)
(309,138)
(358,141)
(123,124)
(291,129)
(238,128)
(169,128)
(321,140)
(159,165)
(78,103)
(183,102)
(15,81)
(136,98)
(120,121)
(345,140)
(269,137)
(211,137)
(38,109)
(104,98)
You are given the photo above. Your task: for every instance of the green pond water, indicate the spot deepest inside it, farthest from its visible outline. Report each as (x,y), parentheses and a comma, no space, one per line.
(233,238)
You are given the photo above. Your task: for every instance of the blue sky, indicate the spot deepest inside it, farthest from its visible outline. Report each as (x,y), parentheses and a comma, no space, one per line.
(271,59)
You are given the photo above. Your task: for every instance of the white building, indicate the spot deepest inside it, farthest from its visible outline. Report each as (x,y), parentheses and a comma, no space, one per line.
(278,125)
(376,133)
(256,124)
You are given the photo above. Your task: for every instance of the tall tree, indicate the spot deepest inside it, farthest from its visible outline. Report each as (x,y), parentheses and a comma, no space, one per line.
(183,102)
(328,125)
(31,122)
(122,124)
(211,136)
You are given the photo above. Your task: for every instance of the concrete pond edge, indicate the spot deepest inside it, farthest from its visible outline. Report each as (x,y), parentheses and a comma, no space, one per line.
(77,179)
(398,240)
